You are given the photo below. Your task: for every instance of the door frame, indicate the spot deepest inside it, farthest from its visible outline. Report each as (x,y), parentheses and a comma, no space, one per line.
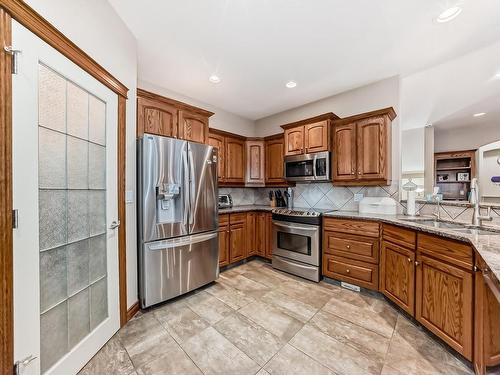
(29,18)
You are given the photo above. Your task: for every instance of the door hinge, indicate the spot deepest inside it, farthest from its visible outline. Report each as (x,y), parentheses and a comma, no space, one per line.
(23,363)
(15,219)
(15,55)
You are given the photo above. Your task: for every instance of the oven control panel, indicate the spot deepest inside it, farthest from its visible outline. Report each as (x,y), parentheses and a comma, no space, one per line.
(286,212)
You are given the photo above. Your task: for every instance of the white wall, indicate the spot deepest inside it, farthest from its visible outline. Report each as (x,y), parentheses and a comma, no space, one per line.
(94,26)
(377,95)
(222,120)
(412,150)
(465,138)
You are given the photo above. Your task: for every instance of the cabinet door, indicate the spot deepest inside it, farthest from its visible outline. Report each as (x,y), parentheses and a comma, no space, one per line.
(223,245)
(235,160)
(156,118)
(269,235)
(260,233)
(275,161)
(294,141)
(444,302)
(397,276)
(344,158)
(255,155)
(372,149)
(217,141)
(317,137)
(193,127)
(251,248)
(237,248)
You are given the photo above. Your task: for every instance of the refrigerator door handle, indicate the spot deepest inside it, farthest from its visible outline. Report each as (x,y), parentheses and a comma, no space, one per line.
(187,191)
(184,241)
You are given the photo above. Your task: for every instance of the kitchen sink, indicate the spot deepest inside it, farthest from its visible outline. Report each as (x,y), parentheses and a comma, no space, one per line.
(456,227)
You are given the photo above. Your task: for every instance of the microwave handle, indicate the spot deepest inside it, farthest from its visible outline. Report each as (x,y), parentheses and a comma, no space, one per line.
(314,166)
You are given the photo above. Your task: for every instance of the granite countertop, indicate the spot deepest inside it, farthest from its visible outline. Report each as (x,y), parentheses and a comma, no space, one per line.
(488,246)
(251,207)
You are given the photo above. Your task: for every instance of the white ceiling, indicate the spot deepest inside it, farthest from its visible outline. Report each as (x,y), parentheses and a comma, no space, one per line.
(465,117)
(327,46)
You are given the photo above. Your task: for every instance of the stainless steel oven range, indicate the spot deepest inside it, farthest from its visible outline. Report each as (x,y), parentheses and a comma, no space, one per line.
(296,242)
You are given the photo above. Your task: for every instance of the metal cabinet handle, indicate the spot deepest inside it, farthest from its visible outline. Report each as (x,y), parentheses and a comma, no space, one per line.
(348,270)
(115,224)
(417,263)
(348,246)
(409,260)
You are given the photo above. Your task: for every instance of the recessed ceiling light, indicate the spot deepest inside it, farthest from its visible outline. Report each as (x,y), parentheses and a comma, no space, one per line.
(497,76)
(214,78)
(291,84)
(479,114)
(449,14)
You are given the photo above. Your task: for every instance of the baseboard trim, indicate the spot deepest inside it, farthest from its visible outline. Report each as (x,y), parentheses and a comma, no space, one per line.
(134,309)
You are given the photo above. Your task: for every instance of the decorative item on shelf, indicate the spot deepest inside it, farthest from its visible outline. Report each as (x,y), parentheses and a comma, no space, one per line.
(442,177)
(411,188)
(496,179)
(463,176)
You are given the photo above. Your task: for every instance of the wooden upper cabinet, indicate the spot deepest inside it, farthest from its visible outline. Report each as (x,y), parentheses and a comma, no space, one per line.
(316,137)
(159,115)
(156,118)
(255,159)
(362,149)
(308,136)
(218,142)
(193,127)
(275,148)
(294,141)
(372,156)
(344,158)
(235,160)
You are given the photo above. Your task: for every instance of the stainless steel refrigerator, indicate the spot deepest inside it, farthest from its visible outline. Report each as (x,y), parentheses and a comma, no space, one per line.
(177,221)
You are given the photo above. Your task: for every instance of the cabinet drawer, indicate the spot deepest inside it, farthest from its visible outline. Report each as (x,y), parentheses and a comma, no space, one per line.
(238,218)
(399,236)
(450,251)
(353,247)
(352,271)
(223,219)
(363,228)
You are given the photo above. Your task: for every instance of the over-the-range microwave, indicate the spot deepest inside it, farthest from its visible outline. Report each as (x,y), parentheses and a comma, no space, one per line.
(308,167)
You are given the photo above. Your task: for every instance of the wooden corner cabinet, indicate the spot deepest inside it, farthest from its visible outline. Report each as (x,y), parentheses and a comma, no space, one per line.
(256,160)
(309,135)
(159,115)
(362,145)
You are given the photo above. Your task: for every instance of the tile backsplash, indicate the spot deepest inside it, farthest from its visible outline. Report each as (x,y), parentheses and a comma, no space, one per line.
(326,196)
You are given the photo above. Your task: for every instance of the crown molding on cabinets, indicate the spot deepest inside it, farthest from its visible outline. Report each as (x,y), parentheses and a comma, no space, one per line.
(179,105)
(311,120)
(380,112)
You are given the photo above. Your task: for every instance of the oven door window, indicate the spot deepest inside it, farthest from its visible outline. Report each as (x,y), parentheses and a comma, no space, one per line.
(294,242)
(299,168)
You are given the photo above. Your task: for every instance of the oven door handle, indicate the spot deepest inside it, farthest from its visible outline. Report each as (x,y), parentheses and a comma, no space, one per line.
(314,166)
(294,227)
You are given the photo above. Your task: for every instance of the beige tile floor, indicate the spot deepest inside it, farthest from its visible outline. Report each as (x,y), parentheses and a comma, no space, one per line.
(255,320)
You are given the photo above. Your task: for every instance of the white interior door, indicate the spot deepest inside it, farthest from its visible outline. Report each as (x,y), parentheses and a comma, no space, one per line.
(65,190)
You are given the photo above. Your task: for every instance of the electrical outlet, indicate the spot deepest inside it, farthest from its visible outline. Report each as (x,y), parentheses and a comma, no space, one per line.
(129,196)
(358,197)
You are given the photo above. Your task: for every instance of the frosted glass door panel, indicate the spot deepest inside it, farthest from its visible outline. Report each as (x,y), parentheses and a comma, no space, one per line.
(72,206)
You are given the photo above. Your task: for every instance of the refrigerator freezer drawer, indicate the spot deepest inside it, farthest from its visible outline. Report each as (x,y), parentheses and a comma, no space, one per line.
(176,266)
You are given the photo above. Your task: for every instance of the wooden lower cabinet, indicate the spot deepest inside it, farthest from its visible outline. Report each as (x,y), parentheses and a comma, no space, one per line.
(444,300)
(260,233)
(268,237)
(237,248)
(223,240)
(397,275)
(251,240)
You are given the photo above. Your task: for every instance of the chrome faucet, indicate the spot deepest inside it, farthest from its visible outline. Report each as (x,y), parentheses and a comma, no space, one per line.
(477,219)
(437,198)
